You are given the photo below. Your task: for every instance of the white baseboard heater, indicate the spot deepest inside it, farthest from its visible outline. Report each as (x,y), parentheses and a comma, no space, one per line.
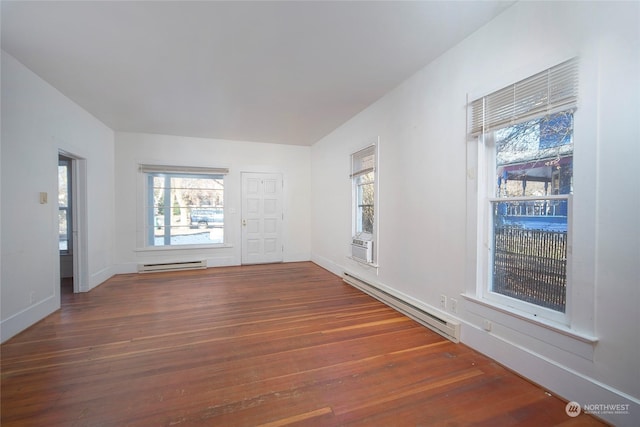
(447,328)
(172,266)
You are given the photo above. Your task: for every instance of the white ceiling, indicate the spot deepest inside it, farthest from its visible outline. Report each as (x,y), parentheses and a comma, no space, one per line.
(283,72)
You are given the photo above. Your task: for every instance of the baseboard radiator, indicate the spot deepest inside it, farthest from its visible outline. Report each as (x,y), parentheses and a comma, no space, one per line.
(447,328)
(172,266)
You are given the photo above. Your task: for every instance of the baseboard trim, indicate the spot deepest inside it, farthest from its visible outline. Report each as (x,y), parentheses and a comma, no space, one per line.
(100,277)
(328,265)
(20,321)
(561,381)
(296,257)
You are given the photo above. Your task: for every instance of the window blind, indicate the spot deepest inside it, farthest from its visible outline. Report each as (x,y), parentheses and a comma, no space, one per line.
(363,161)
(182,169)
(547,92)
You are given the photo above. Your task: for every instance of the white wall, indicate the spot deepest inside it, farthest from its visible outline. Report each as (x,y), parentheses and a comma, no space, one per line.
(293,162)
(426,220)
(424,226)
(37,122)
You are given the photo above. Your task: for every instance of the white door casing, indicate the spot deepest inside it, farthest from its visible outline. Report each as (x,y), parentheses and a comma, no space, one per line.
(79,224)
(262,218)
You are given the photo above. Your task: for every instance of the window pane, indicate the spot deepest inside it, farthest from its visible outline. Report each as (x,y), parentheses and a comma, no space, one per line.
(365,203)
(530,251)
(533,160)
(186,209)
(63,185)
(63,204)
(63,230)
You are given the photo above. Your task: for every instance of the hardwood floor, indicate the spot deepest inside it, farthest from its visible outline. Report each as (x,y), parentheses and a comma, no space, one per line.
(270,345)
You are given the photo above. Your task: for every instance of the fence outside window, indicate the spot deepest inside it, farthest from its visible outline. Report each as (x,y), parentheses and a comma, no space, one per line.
(530,253)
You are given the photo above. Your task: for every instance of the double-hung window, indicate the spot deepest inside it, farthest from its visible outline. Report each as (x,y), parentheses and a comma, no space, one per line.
(527,133)
(363,177)
(184,205)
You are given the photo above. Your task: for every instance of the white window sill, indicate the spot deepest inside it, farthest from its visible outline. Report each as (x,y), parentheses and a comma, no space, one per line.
(359,261)
(183,247)
(555,334)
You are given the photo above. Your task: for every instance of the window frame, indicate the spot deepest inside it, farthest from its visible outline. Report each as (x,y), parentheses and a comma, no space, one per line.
(486,199)
(539,94)
(360,206)
(356,173)
(578,337)
(147,217)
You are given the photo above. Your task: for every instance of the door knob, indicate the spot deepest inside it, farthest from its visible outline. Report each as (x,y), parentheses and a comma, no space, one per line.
(244,222)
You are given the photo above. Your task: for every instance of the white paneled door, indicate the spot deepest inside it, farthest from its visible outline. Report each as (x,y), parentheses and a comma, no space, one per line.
(261,218)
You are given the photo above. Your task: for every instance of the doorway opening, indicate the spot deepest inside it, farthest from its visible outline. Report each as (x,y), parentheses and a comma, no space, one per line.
(65,223)
(72,244)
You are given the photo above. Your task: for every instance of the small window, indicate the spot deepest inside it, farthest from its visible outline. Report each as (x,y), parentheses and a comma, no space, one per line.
(363,176)
(184,208)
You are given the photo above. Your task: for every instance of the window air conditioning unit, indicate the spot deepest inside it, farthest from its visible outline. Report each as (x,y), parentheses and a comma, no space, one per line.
(362,250)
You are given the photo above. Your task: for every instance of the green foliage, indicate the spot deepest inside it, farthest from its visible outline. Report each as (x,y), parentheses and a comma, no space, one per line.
(176,207)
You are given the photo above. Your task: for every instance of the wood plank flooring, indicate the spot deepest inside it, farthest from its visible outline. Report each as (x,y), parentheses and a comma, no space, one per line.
(267,345)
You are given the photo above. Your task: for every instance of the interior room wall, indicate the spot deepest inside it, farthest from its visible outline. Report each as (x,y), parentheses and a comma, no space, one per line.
(425,184)
(293,162)
(424,189)
(38,122)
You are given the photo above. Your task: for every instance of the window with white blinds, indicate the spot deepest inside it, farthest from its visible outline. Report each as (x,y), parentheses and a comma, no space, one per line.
(363,161)
(550,91)
(197,170)
(526,130)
